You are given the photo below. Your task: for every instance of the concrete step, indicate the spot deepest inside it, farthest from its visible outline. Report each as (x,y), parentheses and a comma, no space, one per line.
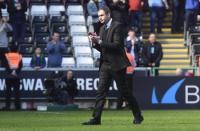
(175,66)
(175,61)
(171,40)
(175,56)
(147,24)
(165,30)
(175,51)
(173,46)
(167,72)
(165,36)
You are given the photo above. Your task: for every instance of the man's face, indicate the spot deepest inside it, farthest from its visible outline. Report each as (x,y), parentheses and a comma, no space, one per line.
(102,16)
(131,34)
(56,37)
(152,38)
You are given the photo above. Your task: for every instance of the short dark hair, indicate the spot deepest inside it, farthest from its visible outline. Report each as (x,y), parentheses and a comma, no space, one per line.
(105,9)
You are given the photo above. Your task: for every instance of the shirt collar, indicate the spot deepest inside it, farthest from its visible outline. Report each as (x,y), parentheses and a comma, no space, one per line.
(109,23)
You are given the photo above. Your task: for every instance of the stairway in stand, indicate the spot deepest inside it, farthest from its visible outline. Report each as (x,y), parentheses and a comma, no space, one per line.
(174,50)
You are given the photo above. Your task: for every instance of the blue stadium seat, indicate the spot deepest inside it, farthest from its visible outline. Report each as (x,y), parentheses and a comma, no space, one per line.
(40,28)
(41,38)
(26,49)
(59,27)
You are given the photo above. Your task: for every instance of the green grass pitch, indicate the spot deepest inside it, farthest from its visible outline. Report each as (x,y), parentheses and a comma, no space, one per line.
(176,120)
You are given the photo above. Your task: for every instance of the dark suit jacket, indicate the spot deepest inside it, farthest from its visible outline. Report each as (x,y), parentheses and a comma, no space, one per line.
(158,53)
(113,47)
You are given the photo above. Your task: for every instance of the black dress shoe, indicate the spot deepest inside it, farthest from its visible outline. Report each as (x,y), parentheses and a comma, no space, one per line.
(138,120)
(92,122)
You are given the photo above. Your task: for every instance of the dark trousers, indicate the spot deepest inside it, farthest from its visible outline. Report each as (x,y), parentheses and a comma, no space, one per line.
(157,16)
(106,75)
(136,19)
(190,18)
(178,16)
(18,31)
(120,98)
(15,84)
(2,56)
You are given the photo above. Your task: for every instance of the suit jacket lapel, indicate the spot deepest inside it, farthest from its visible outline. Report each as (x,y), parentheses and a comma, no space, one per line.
(110,30)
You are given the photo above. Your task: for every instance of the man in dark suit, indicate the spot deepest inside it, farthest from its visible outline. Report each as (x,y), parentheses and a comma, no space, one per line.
(153,52)
(112,66)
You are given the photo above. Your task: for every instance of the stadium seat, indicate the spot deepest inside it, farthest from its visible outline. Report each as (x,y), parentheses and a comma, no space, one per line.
(39,19)
(26,61)
(75,10)
(80,41)
(82,51)
(36,2)
(54,2)
(78,30)
(59,27)
(68,52)
(68,62)
(27,39)
(40,28)
(96,54)
(84,62)
(89,20)
(10,37)
(196,49)
(41,38)
(38,10)
(65,37)
(76,20)
(196,39)
(73,2)
(194,29)
(57,19)
(4,12)
(26,49)
(55,10)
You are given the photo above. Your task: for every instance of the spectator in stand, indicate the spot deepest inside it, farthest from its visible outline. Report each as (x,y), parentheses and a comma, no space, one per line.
(130,41)
(16,10)
(13,67)
(55,49)
(191,10)
(135,9)
(157,11)
(177,17)
(4,28)
(153,52)
(69,87)
(119,11)
(38,60)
